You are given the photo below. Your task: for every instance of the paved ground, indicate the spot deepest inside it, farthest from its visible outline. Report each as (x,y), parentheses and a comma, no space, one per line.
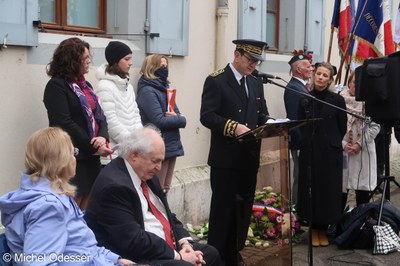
(330,255)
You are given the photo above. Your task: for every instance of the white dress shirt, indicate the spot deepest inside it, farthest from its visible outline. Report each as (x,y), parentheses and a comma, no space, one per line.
(151,223)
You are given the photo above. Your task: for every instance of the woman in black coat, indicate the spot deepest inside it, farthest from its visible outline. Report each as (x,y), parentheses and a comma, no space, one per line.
(72,105)
(321,155)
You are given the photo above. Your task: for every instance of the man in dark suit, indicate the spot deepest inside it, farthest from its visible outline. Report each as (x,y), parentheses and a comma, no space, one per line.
(301,69)
(121,214)
(232,104)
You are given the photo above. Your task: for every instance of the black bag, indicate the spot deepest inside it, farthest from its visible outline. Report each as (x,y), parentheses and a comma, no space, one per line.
(361,236)
(355,230)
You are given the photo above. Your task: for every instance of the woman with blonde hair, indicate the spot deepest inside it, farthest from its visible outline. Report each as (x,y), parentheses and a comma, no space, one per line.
(41,218)
(321,159)
(153,106)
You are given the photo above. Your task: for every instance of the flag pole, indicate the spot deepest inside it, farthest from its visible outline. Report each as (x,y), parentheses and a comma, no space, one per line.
(342,59)
(351,36)
(330,43)
(347,72)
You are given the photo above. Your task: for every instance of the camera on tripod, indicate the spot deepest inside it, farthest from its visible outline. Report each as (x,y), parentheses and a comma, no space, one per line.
(378,85)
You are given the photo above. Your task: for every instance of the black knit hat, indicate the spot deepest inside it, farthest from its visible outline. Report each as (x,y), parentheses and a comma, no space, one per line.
(115,51)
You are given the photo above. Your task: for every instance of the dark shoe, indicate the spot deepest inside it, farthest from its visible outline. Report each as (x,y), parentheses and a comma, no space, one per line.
(331,231)
(378,190)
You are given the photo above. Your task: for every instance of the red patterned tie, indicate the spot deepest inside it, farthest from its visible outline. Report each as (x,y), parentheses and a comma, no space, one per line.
(165,223)
(308,86)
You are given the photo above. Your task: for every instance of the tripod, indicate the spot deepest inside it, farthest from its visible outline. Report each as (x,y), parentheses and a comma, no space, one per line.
(387,178)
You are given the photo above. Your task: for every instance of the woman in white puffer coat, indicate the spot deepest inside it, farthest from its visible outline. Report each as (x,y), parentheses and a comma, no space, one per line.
(117,97)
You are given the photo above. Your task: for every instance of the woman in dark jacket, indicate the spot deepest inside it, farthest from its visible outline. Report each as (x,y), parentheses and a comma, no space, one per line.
(72,105)
(154,109)
(321,155)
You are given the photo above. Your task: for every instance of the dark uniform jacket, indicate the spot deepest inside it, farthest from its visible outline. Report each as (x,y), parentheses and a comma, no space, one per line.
(224,104)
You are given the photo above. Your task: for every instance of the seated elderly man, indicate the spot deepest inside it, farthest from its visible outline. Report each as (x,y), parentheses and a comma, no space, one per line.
(129,213)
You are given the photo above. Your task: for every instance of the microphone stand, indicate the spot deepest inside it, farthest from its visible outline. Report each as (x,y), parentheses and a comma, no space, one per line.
(366,119)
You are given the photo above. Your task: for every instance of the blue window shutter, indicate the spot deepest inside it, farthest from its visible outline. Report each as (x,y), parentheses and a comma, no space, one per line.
(170,19)
(316,33)
(252,19)
(16,22)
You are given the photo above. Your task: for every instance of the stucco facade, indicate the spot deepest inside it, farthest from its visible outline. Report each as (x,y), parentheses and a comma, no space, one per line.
(211,30)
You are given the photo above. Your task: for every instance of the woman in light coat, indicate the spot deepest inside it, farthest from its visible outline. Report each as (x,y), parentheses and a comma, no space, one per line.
(116,95)
(359,169)
(41,219)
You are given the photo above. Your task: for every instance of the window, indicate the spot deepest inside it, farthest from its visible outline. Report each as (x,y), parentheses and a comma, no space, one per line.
(84,16)
(174,33)
(18,22)
(273,24)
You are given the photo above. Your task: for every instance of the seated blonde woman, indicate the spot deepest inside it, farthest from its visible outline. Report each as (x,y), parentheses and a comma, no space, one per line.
(43,223)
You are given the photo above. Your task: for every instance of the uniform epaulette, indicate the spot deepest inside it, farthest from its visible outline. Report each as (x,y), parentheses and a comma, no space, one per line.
(217,72)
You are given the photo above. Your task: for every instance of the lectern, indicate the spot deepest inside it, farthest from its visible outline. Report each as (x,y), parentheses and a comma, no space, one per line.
(279,129)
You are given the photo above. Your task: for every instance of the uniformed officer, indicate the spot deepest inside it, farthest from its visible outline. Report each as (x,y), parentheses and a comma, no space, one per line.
(233,103)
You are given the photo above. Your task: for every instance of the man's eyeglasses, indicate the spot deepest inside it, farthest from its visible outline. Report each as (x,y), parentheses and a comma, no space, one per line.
(252,60)
(76,152)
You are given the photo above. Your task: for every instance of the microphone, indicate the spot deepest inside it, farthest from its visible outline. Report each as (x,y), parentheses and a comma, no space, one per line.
(264,75)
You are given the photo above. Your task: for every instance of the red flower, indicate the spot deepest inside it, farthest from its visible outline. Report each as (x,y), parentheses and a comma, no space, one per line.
(258,215)
(272,216)
(269,201)
(270,232)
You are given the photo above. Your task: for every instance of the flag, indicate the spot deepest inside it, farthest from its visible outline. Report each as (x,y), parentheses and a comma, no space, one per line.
(372,31)
(341,19)
(397,27)
(335,16)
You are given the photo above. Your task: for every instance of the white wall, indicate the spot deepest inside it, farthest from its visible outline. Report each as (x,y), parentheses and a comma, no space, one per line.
(21,110)
(23,78)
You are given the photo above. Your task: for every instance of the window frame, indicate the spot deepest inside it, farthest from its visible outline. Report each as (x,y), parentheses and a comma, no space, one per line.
(60,24)
(275,47)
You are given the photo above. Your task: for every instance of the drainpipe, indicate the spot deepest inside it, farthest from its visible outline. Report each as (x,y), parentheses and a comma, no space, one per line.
(222,13)
(146,27)
(306,25)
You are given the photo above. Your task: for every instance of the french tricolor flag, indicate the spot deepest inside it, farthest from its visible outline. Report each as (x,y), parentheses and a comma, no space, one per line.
(372,31)
(341,20)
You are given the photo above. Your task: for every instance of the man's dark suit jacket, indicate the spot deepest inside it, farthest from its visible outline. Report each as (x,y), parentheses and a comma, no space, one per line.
(292,104)
(223,99)
(114,213)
